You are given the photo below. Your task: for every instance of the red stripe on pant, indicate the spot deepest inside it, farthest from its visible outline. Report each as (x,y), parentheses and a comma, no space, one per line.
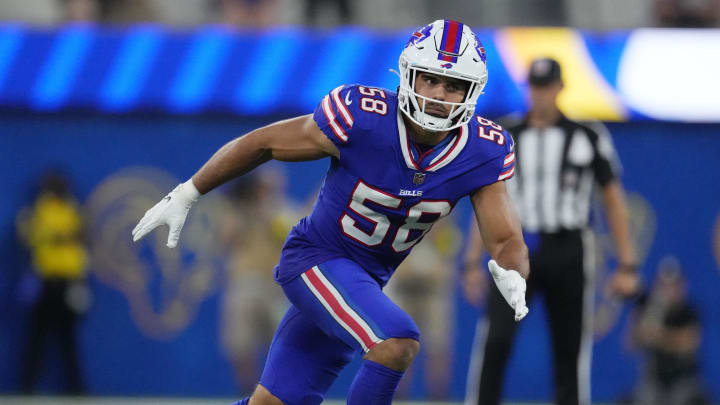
(338,309)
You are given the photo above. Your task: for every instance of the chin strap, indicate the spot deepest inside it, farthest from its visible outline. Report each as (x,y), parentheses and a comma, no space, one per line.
(437,123)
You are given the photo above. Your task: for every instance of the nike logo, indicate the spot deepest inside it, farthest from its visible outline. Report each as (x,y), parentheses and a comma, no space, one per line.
(347,99)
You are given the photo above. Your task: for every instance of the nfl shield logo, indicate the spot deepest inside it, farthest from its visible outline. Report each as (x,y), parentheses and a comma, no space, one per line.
(418,178)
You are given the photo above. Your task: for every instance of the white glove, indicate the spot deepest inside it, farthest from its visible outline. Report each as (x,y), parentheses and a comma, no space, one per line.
(171,211)
(512,287)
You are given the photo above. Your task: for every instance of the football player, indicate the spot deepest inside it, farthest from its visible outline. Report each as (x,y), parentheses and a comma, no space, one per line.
(398,163)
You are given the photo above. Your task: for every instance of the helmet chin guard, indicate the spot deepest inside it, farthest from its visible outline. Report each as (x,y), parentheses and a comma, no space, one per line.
(444,48)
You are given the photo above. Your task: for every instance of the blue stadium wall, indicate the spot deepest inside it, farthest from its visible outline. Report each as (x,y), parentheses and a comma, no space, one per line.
(668,165)
(109,104)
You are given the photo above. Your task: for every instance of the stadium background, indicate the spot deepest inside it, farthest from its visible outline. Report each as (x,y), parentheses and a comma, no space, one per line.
(131,110)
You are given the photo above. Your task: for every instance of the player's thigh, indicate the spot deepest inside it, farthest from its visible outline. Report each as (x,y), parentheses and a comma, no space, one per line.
(347,303)
(303,361)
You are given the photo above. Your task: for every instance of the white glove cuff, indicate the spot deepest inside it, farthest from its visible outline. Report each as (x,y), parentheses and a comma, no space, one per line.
(188,191)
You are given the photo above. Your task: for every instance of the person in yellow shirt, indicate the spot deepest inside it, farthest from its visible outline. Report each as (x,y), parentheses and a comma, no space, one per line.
(51,228)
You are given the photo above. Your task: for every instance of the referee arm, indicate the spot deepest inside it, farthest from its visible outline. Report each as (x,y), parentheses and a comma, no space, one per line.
(618,217)
(625,281)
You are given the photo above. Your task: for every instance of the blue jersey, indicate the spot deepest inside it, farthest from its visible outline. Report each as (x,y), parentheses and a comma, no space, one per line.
(382,195)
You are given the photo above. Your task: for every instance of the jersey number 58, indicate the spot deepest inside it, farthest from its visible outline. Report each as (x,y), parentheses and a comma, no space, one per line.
(381,223)
(373,103)
(490,131)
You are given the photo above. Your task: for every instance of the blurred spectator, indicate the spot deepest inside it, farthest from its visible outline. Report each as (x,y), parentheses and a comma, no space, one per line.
(81,10)
(314,16)
(688,13)
(255,232)
(499,13)
(254,13)
(30,11)
(609,14)
(113,11)
(52,230)
(184,12)
(667,330)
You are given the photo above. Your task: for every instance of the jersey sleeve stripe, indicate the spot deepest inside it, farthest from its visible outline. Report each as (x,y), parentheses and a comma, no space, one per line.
(335,304)
(337,130)
(507,173)
(509,159)
(347,117)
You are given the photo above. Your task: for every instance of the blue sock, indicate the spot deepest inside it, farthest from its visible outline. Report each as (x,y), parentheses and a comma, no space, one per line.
(374,384)
(242,402)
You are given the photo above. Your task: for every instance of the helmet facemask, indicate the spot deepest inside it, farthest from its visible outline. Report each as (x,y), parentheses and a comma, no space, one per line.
(413,104)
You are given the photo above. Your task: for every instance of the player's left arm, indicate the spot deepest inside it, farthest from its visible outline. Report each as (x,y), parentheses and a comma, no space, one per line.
(502,235)
(500,227)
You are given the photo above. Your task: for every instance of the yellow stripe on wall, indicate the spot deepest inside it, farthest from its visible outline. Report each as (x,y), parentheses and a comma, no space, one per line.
(586,95)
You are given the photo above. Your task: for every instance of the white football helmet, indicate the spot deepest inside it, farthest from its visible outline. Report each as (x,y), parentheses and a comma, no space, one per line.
(446,48)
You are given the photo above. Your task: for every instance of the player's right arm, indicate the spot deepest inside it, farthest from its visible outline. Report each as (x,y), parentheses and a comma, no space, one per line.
(293,140)
(296,139)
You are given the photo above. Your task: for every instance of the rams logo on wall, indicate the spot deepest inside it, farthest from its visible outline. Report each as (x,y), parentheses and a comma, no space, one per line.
(164,287)
(643,226)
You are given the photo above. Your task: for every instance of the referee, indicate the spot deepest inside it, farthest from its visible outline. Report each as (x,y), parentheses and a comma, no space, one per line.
(558,163)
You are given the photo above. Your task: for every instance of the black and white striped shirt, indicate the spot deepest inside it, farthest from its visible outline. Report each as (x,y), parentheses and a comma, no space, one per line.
(556,169)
